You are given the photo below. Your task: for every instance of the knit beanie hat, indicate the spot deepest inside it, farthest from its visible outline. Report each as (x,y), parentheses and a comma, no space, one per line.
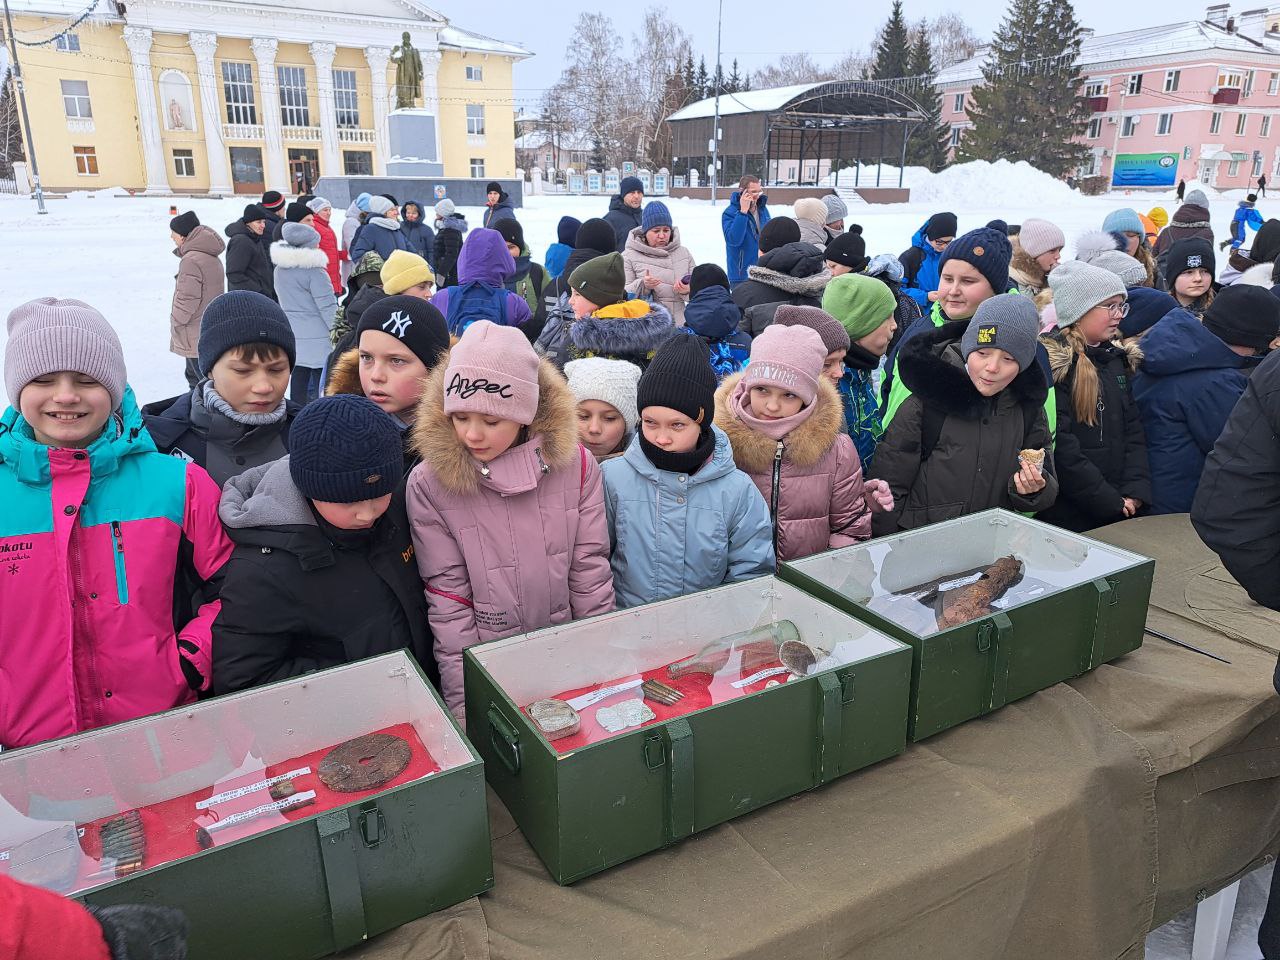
(790,359)
(1196,198)
(362,202)
(940,226)
(1159,216)
(655,214)
(184,223)
(510,231)
(403,270)
(848,249)
(778,232)
(1130,271)
(49,335)
(836,209)
(273,200)
(595,234)
(811,209)
(1266,243)
(630,185)
(988,250)
(601,280)
(829,330)
(492,371)
(1079,287)
(493,186)
(567,230)
(1007,322)
(444,208)
(1124,220)
(240,317)
(344,449)
(707,275)
(1146,308)
(680,377)
(1244,316)
(295,212)
(859,302)
(411,320)
(317,204)
(300,235)
(1190,254)
(252,212)
(612,381)
(1038,237)
(379,206)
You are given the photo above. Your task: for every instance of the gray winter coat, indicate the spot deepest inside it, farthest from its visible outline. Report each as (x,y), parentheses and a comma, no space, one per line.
(306,296)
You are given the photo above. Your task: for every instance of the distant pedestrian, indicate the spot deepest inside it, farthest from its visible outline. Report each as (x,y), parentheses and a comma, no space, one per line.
(1182,190)
(200,278)
(1262,185)
(624,211)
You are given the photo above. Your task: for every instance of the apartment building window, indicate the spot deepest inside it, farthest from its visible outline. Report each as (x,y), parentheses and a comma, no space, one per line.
(1095,128)
(1171,80)
(1230,78)
(357,163)
(1128,125)
(86,161)
(346,101)
(67,43)
(475,119)
(75,99)
(955,136)
(1165,125)
(184,164)
(1097,88)
(1248,83)
(477,167)
(1233,168)
(1215,121)
(1135,84)
(294,111)
(475,74)
(1257,166)
(1265,131)
(1242,121)
(1273,85)
(958,107)
(237,90)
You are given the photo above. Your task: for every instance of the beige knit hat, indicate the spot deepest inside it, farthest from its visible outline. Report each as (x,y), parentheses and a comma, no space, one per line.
(811,209)
(50,335)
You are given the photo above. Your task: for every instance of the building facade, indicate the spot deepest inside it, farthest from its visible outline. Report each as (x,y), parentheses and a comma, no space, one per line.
(224,96)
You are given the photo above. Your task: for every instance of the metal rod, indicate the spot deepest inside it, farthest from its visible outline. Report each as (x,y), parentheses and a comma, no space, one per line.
(22,103)
(1185,646)
(715,123)
(902,166)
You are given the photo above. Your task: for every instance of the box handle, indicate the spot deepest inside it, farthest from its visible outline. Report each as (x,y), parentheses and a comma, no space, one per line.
(994,637)
(371,824)
(833,693)
(342,879)
(1108,597)
(505,740)
(678,736)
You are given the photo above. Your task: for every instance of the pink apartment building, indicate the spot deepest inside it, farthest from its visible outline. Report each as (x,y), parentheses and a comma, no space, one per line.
(1198,99)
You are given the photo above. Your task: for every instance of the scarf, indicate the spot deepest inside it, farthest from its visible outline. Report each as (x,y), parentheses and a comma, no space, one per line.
(689,463)
(213,401)
(740,407)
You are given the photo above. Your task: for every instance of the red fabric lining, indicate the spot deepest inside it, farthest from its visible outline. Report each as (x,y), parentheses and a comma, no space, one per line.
(451,596)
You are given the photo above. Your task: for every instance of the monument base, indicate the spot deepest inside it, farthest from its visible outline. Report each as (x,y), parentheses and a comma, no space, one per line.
(414,151)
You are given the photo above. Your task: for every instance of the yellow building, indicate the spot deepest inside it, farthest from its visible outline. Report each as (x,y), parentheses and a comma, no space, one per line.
(223,96)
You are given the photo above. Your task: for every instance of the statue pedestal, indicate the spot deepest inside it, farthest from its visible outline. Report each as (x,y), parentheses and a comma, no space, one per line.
(414,151)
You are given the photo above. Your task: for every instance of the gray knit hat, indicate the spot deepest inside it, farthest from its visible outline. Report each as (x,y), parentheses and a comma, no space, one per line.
(50,335)
(445,208)
(1197,198)
(300,235)
(1038,237)
(1130,271)
(611,381)
(1079,287)
(836,209)
(1008,322)
(834,335)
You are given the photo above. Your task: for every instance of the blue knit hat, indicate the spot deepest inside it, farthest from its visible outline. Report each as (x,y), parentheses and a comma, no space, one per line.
(1124,220)
(988,250)
(344,449)
(630,185)
(240,317)
(655,214)
(567,230)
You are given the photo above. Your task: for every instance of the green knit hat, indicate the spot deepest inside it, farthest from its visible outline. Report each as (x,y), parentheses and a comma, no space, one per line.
(859,302)
(602,281)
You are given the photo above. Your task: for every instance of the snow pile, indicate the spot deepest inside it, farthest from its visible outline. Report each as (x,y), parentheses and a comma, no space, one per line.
(1015,184)
(865,174)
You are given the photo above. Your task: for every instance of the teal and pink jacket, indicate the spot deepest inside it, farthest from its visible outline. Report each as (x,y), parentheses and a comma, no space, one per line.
(92,545)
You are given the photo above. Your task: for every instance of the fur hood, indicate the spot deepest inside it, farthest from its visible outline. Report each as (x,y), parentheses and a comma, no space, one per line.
(808,443)
(811,286)
(1026,271)
(931,368)
(601,333)
(1091,245)
(287,257)
(555,425)
(344,375)
(1062,356)
(1259,275)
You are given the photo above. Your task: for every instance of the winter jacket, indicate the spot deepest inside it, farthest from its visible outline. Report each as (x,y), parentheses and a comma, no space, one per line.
(200,279)
(1189,220)
(299,595)
(742,235)
(922,266)
(1262,275)
(1246,215)
(557,255)
(184,427)
(43,925)
(329,247)
(380,234)
(485,259)
(1098,466)
(972,465)
(792,273)
(350,224)
(858,400)
(420,236)
(302,284)
(502,210)
(529,283)
(95,544)
(632,331)
(509,546)
(1186,387)
(670,264)
(448,245)
(674,533)
(1029,277)
(713,316)
(270,232)
(248,262)
(623,219)
(811,479)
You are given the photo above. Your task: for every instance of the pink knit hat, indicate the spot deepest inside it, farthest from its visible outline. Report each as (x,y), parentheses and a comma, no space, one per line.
(787,357)
(494,371)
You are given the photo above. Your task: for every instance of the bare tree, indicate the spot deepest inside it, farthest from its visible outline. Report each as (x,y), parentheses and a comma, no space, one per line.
(852,66)
(951,40)
(791,68)
(655,86)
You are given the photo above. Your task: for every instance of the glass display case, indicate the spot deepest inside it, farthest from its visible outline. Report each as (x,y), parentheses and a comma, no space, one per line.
(229,797)
(996,606)
(611,737)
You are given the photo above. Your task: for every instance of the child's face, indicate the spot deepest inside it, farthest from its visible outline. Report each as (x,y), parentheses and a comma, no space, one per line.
(580,305)
(991,370)
(773,403)
(65,409)
(411,214)
(1132,242)
(1191,285)
(390,373)
(833,367)
(353,516)
(1101,323)
(600,427)
(486,438)
(1048,261)
(514,251)
(668,429)
(420,290)
(250,384)
(876,342)
(962,289)
(838,269)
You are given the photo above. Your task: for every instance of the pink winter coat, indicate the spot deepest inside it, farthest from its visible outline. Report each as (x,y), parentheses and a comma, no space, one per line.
(820,503)
(669,264)
(515,545)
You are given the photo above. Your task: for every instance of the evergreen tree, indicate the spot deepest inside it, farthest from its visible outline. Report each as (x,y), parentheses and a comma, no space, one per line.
(1029,105)
(928,144)
(717,83)
(734,83)
(893,49)
(597,161)
(701,81)
(692,92)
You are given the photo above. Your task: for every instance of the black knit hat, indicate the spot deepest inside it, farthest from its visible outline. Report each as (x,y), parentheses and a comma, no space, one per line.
(254,211)
(850,250)
(273,200)
(595,234)
(680,377)
(941,225)
(411,320)
(239,317)
(1193,253)
(707,275)
(296,211)
(1266,243)
(511,231)
(184,223)
(344,449)
(493,187)
(777,232)
(1243,315)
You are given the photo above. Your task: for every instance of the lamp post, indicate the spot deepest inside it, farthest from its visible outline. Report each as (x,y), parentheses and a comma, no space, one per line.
(22,102)
(715,122)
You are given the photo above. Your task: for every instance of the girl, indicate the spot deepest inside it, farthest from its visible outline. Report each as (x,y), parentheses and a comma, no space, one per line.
(1100,451)
(657,267)
(811,218)
(603,322)
(1190,269)
(98,529)
(1036,251)
(451,227)
(422,239)
(782,418)
(606,394)
(1129,225)
(306,296)
(503,473)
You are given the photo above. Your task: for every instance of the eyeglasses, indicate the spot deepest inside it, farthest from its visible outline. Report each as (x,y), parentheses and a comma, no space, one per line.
(1120,310)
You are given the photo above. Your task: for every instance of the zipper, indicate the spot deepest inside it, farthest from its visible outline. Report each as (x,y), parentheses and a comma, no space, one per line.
(117,546)
(775,495)
(83,646)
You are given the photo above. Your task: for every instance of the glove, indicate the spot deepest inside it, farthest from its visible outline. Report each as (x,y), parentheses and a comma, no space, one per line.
(136,932)
(878,496)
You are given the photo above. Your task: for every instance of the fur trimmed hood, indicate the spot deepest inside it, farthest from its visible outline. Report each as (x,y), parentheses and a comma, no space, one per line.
(288,257)
(344,375)
(804,446)
(1259,275)
(932,368)
(1026,271)
(553,434)
(1062,356)
(811,286)
(1093,244)
(611,331)
(794,268)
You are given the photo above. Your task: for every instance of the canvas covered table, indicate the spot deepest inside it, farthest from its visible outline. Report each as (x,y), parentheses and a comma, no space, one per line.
(1065,825)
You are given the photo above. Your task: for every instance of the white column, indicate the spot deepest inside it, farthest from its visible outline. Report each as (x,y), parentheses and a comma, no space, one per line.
(378,58)
(144,88)
(331,157)
(276,170)
(204,45)
(431,94)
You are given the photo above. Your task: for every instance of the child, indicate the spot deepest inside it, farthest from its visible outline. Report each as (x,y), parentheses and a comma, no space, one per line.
(834,337)
(1037,250)
(604,323)
(529,279)
(451,227)
(922,261)
(657,265)
(712,315)
(1099,449)
(811,218)
(323,571)
(1190,268)
(846,253)
(507,508)
(365,287)
(200,278)
(1133,232)
(237,417)
(782,418)
(98,529)
(407,273)
(484,267)
(682,517)
(302,284)
(788,271)
(976,399)
(248,263)
(558,252)
(606,394)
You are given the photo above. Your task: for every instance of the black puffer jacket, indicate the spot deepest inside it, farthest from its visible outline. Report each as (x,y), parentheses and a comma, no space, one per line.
(792,273)
(248,264)
(623,219)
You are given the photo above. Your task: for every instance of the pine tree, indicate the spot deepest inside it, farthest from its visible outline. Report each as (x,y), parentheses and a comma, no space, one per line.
(893,49)
(598,161)
(692,92)
(928,144)
(734,83)
(1029,106)
(701,81)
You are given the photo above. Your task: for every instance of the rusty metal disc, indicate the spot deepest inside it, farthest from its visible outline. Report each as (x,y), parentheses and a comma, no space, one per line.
(364,763)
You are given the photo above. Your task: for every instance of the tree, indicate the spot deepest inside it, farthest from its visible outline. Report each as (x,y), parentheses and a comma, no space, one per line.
(951,40)
(597,160)
(791,68)
(893,51)
(734,83)
(701,81)
(928,144)
(690,79)
(851,66)
(1029,106)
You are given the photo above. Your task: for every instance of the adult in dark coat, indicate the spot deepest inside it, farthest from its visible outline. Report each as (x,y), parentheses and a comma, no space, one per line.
(497,206)
(422,239)
(793,273)
(273,203)
(248,262)
(625,211)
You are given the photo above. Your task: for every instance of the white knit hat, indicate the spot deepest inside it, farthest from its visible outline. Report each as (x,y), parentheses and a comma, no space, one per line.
(1038,237)
(811,209)
(612,381)
(1079,287)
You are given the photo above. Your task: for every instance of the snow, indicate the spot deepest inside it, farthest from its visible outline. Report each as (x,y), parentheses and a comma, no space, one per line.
(466,40)
(750,101)
(1019,184)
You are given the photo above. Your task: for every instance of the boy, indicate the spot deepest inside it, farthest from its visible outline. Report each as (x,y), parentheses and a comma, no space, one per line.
(599,320)
(407,273)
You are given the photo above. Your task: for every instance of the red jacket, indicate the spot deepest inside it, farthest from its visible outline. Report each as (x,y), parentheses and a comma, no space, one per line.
(329,244)
(39,925)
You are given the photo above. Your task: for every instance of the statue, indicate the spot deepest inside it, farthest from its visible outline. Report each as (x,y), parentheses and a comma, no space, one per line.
(175,115)
(408,72)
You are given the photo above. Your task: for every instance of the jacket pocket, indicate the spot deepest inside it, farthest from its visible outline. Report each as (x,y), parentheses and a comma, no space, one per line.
(470,540)
(122,575)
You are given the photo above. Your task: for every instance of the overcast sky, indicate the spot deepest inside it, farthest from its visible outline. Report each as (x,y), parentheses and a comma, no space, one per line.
(759,31)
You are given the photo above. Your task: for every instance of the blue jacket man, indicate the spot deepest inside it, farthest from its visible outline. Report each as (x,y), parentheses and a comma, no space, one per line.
(741,224)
